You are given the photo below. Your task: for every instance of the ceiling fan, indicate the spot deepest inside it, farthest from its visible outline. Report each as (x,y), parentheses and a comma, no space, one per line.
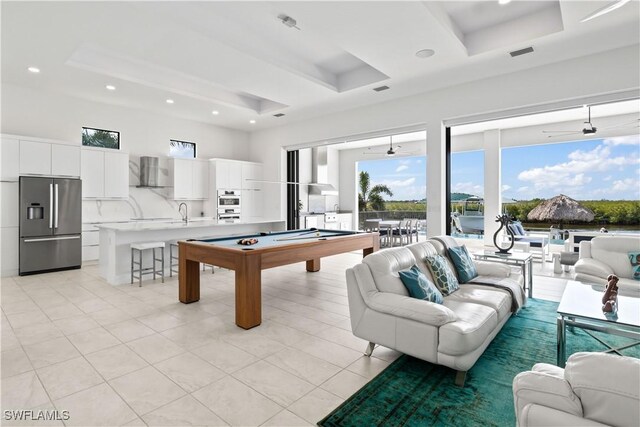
(589,128)
(391,152)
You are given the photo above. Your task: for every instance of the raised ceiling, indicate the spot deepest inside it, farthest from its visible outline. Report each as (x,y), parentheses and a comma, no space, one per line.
(239,59)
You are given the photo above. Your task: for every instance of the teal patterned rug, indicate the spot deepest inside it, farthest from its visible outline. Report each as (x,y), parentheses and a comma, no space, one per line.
(411,392)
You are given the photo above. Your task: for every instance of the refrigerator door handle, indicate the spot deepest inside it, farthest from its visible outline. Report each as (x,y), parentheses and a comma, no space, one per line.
(48,239)
(50,205)
(55,224)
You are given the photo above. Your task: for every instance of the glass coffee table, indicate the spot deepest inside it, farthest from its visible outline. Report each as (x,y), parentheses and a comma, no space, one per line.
(520,259)
(581,307)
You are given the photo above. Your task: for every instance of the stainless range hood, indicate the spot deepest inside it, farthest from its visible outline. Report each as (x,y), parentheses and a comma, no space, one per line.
(319,185)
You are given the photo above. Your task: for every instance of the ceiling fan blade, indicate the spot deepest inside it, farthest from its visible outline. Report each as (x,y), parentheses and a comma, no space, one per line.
(621,125)
(565,134)
(559,131)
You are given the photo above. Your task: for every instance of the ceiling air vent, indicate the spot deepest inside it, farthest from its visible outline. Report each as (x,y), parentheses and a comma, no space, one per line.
(521,51)
(278,115)
(380,88)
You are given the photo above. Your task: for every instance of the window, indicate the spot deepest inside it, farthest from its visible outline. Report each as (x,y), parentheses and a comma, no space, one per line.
(100,138)
(182,149)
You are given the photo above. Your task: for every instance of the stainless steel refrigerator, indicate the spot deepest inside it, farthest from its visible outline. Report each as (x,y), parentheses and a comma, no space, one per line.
(50,224)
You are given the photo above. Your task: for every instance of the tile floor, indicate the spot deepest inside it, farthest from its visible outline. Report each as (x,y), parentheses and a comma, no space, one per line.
(124,355)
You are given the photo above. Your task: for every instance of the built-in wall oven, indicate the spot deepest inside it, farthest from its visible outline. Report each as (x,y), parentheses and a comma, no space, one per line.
(229,199)
(229,202)
(229,214)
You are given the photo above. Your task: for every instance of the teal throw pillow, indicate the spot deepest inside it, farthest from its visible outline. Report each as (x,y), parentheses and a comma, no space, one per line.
(463,263)
(419,286)
(445,278)
(634,259)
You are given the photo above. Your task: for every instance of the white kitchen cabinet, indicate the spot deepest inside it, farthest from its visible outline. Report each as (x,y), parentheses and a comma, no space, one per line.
(190,179)
(9,247)
(9,205)
(105,174)
(9,159)
(182,179)
(345,221)
(35,158)
(200,179)
(92,174)
(226,174)
(65,160)
(116,175)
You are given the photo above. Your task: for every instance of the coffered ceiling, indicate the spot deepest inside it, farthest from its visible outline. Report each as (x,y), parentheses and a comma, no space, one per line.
(240,60)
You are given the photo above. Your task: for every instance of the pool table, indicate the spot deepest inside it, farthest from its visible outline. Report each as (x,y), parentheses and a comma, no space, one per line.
(272,250)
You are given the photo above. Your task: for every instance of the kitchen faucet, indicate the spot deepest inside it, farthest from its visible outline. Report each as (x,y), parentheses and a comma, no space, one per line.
(185,217)
(336,207)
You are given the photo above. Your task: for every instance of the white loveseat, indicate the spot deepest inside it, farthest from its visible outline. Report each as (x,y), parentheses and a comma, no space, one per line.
(453,334)
(594,389)
(605,255)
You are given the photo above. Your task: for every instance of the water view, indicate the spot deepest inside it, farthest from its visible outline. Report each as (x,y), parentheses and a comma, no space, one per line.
(602,175)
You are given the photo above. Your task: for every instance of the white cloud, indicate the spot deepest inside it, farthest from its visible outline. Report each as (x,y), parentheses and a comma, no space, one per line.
(624,185)
(572,173)
(522,189)
(607,178)
(506,187)
(397,182)
(468,187)
(402,168)
(623,140)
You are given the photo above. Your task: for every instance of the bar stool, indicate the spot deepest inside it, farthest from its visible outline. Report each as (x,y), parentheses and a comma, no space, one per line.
(173,245)
(173,256)
(141,247)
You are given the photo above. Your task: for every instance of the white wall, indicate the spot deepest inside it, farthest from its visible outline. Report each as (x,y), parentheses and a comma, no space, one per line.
(52,115)
(601,73)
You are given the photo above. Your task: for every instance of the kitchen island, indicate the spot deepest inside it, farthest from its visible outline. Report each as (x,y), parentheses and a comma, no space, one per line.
(115,240)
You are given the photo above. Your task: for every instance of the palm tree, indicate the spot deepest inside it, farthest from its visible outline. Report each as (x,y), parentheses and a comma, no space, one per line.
(371,197)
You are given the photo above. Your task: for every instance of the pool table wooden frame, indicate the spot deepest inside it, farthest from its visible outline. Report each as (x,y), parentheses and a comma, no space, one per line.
(248,266)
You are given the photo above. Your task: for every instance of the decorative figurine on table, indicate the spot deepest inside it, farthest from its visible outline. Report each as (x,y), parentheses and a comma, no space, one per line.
(504,221)
(610,297)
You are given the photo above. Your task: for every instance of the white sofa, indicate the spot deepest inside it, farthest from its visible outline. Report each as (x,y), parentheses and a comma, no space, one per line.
(595,389)
(605,255)
(453,334)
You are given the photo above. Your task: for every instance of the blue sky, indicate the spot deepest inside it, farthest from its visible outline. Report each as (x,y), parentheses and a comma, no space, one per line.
(405,176)
(585,170)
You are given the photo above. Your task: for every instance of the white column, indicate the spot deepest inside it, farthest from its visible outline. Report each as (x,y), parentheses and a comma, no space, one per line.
(492,184)
(436,206)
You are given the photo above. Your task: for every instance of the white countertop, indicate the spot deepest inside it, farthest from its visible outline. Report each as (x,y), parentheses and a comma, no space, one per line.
(176,224)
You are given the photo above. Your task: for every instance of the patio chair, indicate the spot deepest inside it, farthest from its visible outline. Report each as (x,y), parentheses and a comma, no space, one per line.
(412,228)
(536,241)
(402,233)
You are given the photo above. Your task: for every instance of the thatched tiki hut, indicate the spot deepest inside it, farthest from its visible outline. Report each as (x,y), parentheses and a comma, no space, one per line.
(561,208)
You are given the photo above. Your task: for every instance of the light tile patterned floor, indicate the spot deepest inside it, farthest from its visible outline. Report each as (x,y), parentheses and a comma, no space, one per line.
(124,355)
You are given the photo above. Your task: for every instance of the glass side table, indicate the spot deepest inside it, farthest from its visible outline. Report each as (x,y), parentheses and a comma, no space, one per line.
(520,259)
(581,307)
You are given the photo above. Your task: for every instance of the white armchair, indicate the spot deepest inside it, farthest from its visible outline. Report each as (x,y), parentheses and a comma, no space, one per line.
(605,255)
(595,389)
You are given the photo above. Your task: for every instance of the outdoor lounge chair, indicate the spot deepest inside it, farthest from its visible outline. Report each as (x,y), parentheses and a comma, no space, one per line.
(537,241)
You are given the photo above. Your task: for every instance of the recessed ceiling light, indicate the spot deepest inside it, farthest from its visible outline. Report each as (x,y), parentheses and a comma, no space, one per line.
(215,112)
(504,1)
(425,53)
(252,121)
(169,101)
(34,69)
(110,87)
